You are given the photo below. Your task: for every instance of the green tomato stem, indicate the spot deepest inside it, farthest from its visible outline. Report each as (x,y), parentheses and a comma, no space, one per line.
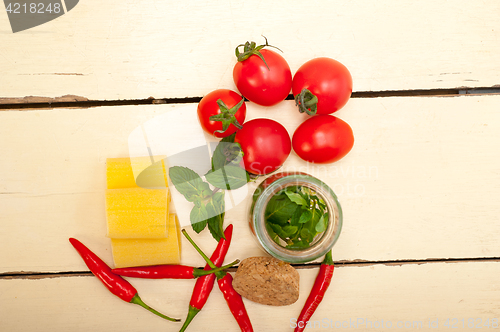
(227,115)
(307,102)
(251,48)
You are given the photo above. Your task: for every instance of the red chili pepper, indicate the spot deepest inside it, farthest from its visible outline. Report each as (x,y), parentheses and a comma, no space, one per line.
(205,284)
(233,299)
(317,292)
(168,271)
(116,284)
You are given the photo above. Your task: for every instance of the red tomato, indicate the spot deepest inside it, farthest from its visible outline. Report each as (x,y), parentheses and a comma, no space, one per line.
(209,108)
(328,80)
(260,84)
(323,139)
(265,144)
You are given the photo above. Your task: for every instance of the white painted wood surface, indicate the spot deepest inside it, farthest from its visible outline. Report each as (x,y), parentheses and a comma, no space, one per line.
(136,49)
(408,297)
(421,183)
(422,180)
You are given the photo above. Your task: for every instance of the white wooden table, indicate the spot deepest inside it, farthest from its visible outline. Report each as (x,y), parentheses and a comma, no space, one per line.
(420,190)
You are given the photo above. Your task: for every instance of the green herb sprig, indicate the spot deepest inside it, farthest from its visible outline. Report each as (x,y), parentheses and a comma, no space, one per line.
(225,174)
(295,216)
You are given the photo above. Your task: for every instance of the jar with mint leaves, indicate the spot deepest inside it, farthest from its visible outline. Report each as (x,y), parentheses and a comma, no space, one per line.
(295,217)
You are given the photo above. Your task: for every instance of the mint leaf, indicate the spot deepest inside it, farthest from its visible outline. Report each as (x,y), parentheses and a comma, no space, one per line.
(228,177)
(193,198)
(311,224)
(215,225)
(322,205)
(305,217)
(227,152)
(290,230)
(305,234)
(280,209)
(299,244)
(208,205)
(219,202)
(316,214)
(278,230)
(198,217)
(296,198)
(185,180)
(296,216)
(321,225)
(204,190)
(272,234)
(294,221)
(215,208)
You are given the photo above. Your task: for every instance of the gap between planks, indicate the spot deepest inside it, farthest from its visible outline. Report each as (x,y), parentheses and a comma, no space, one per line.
(338,264)
(70,101)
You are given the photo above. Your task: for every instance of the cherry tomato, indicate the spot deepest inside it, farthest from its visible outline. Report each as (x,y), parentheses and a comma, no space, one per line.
(323,139)
(263,82)
(326,79)
(221,118)
(265,144)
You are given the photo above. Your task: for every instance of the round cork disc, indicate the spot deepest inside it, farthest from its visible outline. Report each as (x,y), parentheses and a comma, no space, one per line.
(267,280)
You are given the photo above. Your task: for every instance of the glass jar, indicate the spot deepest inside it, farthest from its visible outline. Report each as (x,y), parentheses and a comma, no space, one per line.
(322,243)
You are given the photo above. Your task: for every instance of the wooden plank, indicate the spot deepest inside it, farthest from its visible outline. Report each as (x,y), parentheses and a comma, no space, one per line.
(421,182)
(134,49)
(408,297)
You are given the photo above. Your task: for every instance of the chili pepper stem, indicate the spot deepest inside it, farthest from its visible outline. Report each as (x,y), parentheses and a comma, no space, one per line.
(205,257)
(191,313)
(328,260)
(220,274)
(199,273)
(137,300)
